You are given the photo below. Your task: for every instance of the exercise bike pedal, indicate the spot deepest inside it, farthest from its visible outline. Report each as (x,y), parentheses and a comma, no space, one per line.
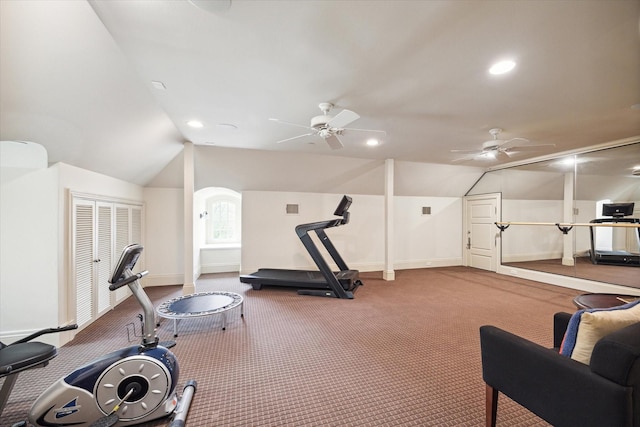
(168,344)
(108,421)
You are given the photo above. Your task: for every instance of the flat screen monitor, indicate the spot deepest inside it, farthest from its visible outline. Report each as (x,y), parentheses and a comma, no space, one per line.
(343,206)
(617,209)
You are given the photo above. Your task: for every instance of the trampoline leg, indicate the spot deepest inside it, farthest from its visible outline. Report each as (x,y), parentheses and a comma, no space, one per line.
(224,321)
(175,328)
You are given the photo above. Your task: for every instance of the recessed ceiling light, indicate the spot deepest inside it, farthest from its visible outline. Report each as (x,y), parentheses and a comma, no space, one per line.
(502,67)
(158,85)
(195,124)
(227,126)
(373,142)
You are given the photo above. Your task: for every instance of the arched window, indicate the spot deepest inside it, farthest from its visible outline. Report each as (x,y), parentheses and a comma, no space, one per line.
(223,218)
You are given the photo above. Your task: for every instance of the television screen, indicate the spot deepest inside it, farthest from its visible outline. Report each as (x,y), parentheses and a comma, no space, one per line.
(617,209)
(343,206)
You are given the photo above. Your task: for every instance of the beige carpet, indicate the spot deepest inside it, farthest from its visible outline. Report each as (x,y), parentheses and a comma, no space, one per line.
(402,353)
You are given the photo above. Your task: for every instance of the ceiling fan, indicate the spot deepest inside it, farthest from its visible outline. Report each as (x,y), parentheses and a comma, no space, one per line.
(327,127)
(499,149)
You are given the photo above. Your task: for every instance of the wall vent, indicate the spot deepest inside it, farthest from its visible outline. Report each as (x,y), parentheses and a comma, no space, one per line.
(292,209)
(426,210)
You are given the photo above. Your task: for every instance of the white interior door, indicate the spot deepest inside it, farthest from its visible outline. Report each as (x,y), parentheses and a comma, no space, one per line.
(480,231)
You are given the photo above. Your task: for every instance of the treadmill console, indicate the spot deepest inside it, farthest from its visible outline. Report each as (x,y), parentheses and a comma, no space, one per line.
(617,210)
(343,206)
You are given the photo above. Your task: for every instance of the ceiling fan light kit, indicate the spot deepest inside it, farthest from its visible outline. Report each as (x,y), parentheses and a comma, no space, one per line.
(499,149)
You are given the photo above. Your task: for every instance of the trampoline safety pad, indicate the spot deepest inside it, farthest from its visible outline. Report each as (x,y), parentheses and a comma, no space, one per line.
(198,305)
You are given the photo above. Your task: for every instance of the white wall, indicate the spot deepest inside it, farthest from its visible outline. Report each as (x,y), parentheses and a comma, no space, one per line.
(433,180)
(274,179)
(29,236)
(256,170)
(427,240)
(531,242)
(220,260)
(35,236)
(269,239)
(164,243)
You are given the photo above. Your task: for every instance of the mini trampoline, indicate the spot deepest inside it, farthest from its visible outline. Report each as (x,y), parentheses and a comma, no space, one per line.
(198,305)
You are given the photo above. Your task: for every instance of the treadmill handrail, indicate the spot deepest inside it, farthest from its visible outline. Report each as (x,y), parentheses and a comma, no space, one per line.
(614,220)
(303,229)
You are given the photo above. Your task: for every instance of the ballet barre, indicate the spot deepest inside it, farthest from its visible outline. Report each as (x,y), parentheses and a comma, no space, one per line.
(565,227)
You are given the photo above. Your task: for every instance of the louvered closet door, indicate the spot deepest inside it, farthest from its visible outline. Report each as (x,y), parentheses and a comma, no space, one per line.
(136,226)
(104,248)
(123,238)
(122,228)
(83,265)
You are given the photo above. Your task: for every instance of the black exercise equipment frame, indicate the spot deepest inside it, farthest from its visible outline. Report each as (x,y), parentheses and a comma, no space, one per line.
(613,257)
(302,231)
(334,286)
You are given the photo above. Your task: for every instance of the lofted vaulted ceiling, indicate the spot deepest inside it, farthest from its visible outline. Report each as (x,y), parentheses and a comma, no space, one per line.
(110,85)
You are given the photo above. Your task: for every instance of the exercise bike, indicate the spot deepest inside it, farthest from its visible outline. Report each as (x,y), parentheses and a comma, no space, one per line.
(129,386)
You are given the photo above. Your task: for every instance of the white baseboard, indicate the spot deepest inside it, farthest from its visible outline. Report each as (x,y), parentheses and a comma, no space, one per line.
(427,263)
(163,279)
(377,266)
(219,268)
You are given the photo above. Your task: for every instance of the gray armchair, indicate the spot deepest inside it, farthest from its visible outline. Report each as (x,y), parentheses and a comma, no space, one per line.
(558,389)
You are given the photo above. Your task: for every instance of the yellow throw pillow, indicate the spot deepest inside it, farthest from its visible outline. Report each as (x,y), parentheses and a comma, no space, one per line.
(597,324)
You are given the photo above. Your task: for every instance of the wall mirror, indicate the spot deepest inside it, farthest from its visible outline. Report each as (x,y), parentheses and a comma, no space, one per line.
(573,189)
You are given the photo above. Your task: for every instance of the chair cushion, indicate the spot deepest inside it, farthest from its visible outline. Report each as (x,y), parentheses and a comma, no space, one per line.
(587,327)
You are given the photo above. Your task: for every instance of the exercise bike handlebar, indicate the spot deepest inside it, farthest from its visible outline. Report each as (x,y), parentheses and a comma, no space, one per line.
(127,280)
(46,331)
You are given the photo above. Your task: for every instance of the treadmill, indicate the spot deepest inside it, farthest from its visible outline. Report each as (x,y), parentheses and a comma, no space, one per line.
(618,211)
(325,282)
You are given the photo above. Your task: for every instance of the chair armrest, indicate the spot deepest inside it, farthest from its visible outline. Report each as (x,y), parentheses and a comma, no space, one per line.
(558,389)
(617,356)
(560,323)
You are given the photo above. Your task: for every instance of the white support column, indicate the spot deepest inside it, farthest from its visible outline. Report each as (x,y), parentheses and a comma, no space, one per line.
(389,272)
(189,286)
(567,216)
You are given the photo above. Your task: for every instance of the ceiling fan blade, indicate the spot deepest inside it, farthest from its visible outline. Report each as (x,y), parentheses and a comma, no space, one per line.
(366,130)
(295,137)
(290,124)
(509,143)
(502,155)
(342,119)
(334,142)
(473,156)
(532,147)
(467,151)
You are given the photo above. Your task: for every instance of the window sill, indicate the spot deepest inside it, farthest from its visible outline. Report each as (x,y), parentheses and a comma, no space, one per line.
(220,246)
